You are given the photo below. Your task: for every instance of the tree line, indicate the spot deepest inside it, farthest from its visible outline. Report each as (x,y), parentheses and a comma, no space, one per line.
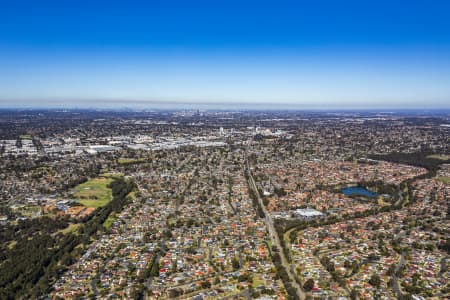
(38,259)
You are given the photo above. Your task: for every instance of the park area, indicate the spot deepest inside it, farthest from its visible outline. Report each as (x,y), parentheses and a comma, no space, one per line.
(94,192)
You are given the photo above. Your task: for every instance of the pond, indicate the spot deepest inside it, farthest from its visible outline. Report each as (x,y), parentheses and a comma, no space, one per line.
(358,191)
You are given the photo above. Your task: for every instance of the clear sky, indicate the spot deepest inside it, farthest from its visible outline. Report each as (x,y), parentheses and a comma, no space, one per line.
(286,54)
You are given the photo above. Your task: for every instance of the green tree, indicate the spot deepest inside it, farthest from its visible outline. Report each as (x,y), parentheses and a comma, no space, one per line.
(235,263)
(308,285)
(375,280)
(354,294)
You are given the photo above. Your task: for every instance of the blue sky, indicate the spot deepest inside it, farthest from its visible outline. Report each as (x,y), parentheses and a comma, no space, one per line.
(299,54)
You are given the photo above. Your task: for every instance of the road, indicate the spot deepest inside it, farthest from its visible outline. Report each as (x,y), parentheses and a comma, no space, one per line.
(395,285)
(443,266)
(94,287)
(273,234)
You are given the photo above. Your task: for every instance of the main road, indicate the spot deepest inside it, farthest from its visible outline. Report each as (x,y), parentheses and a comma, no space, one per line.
(395,286)
(273,233)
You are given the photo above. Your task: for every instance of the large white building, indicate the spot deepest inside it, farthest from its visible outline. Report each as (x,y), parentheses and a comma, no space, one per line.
(307,213)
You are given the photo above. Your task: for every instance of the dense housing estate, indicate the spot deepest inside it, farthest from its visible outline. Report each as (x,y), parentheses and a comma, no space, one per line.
(224,205)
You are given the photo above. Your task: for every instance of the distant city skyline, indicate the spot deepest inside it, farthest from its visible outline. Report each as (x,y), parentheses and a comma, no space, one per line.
(286,54)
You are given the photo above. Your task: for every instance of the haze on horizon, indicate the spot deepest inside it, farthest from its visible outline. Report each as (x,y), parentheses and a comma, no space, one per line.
(285,54)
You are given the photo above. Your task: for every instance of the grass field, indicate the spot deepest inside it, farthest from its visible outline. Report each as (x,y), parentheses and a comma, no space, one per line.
(95,192)
(12,244)
(381,202)
(72,228)
(108,222)
(439,156)
(127,161)
(111,175)
(444,179)
(30,211)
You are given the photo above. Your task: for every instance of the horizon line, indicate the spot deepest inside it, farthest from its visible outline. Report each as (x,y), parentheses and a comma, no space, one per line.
(386,110)
(140,104)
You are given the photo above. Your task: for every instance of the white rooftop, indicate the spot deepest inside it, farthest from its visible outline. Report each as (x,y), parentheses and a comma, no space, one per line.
(308,212)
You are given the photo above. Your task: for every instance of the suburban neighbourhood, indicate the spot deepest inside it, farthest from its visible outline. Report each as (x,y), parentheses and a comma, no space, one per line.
(225,205)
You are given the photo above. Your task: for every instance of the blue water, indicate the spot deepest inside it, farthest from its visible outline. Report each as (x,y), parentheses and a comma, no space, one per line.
(358,191)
